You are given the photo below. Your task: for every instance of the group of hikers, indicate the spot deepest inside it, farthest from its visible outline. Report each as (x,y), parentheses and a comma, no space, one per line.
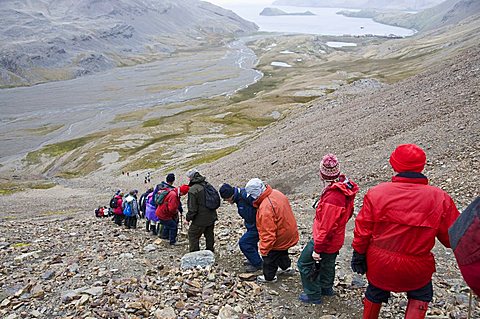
(394,232)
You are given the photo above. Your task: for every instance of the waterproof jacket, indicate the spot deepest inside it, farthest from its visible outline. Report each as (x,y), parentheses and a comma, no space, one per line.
(119,209)
(334,209)
(245,208)
(150,208)
(143,200)
(276,224)
(198,213)
(396,229)
(164,185)
(168,210)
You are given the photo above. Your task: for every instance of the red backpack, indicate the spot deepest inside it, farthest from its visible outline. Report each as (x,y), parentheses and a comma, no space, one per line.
(465,240)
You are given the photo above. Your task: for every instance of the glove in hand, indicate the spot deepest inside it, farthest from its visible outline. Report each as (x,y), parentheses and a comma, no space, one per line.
(359,263)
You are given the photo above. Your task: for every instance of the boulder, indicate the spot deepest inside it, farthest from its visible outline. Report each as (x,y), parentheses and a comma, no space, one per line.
(202,258)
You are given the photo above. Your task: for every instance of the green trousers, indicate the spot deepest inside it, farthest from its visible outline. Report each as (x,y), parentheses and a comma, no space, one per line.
(326,276)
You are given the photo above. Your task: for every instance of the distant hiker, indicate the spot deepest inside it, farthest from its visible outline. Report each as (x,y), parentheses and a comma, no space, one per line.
(395,232)
(201,217)
(130,210)
(167,212)
(277,229)
(334,208)
(142,203)
(248,243)
(116,204)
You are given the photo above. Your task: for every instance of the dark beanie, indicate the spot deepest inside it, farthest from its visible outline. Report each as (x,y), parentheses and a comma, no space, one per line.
(226,191)
(170,178)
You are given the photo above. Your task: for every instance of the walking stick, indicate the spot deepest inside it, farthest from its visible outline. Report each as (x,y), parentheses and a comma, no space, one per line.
(470,305)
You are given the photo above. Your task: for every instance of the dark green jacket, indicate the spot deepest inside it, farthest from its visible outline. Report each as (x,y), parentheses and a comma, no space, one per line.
(197,213)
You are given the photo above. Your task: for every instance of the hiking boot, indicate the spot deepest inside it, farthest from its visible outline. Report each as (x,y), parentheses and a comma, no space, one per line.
(328,292)
(261,279)
(286,272)
(246,262)
(252,268)
(303,297)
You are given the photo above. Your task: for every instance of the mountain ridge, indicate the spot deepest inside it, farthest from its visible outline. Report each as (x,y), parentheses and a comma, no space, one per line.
(62,39)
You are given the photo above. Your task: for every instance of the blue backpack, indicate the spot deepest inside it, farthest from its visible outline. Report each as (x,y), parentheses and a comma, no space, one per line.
(127,210)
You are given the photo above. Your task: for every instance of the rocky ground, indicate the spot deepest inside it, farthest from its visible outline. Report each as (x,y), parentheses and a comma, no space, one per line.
(59,261)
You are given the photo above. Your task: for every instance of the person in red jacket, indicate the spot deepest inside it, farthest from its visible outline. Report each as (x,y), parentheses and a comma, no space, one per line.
(333,210)
(167,212)
(118,211)
(277,229)
(395,232)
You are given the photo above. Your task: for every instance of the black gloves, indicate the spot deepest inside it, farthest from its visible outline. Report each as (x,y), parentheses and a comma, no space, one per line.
(314,271)
(359,263)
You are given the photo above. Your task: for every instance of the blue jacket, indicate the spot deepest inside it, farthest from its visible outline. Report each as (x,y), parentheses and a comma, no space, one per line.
(245,208)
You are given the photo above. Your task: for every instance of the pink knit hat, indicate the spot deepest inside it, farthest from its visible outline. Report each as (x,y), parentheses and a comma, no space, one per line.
(329,167)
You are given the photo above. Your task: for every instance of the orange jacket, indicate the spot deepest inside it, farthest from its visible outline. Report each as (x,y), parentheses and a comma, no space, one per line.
(276,224)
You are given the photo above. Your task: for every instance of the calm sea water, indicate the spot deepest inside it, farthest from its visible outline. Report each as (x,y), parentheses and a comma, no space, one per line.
(325,21)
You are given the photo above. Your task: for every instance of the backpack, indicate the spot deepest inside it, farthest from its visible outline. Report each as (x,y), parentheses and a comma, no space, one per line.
(160,196)
(212,198)
(127,210)
(114,202)
(465,241)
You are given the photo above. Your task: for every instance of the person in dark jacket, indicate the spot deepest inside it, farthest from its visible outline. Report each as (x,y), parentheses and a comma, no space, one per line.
(202,220)
(248,243)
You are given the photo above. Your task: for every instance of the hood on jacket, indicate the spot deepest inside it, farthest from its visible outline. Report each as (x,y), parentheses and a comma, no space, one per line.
(255,187)
(347,186)
(196,179)
(129,198)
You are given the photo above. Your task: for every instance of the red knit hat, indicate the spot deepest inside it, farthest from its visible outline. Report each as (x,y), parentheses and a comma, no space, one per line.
(184,189)
(408,158)
(329,167)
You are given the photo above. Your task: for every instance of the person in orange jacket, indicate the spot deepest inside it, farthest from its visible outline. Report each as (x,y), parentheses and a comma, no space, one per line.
(395,232)
(333,210)
(277,229)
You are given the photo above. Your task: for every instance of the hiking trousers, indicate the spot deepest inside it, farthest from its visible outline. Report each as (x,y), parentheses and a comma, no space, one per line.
(248,244)
(326,276)
(170,227)
(275,259)
(194,234)
(118,219)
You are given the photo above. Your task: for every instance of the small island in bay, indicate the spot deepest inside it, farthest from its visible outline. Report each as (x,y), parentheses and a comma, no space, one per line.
(278,12)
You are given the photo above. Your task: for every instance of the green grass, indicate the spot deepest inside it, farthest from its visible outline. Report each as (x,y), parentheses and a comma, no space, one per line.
(58,149)
(45,129)
(8,188)
(210,156)
(241,119)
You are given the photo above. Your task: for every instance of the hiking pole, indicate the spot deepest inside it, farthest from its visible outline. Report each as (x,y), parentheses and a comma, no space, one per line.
(470,305)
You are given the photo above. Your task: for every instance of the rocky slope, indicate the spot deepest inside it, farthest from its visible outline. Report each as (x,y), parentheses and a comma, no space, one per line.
(61,39)
(87,267)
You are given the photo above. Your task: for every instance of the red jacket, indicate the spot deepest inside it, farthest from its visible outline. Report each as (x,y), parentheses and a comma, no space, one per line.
(276,224)
(396,228)
(169,208)
(118,210)
(334,209)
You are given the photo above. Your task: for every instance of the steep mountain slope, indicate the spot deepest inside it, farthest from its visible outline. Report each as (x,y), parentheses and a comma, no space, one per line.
(447,13)
(438,109)
(61,39)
